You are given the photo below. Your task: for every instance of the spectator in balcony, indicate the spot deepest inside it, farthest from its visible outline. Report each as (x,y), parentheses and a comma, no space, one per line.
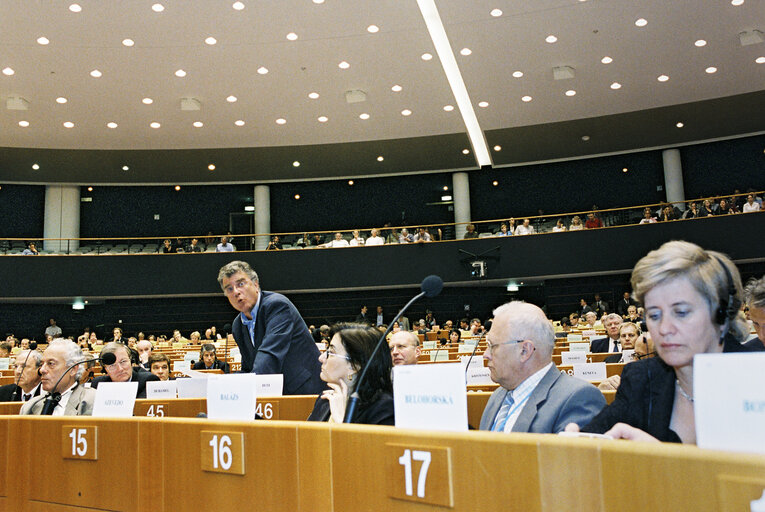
(339,241)
(471,232)
(357,240)
(317,240)
(511,225)
(503,231)
(593,222)
(751,205)
(224,245)
(706,209)
(576,224)
(725,208)
(692,212)
(421,236)
(210,238)
(405,237)
(667,213)
(167,247)
(31,250)
(648,217)
(559,226)
(375,238)
(304,241)
(194,246)
(275,244)
(393,236)
(525,229)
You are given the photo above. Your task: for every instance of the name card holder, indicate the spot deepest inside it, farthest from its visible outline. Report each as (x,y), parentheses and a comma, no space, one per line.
(590,371)
(422,474)
(79,442)
(222,452)
(579,347)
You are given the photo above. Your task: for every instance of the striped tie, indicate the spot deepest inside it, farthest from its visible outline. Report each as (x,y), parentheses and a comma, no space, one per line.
(503,414)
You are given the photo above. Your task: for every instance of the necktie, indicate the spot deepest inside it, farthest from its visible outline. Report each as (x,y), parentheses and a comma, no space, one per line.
(503,414)
(616,346)
(27,396)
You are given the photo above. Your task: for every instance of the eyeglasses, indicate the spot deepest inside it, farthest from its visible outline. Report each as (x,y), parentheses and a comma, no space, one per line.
(330,353)
(125,363)
(493,346)
(239,285)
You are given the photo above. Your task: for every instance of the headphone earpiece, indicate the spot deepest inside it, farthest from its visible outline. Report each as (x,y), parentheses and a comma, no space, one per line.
(728,308)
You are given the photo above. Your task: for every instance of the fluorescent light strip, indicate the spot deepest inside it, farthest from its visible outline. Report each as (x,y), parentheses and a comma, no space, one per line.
(457,84)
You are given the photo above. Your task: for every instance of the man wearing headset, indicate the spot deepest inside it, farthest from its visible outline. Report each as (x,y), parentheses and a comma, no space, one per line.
(208,360)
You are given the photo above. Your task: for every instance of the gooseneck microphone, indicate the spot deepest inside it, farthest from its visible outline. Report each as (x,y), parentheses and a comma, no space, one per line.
(17,391)
(441,344)
(475,347)
(430,287)
(54,397)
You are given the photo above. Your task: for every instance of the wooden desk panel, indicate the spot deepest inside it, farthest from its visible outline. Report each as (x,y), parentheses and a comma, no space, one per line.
(5,467)
(314,467)
(290,407)
(476,403)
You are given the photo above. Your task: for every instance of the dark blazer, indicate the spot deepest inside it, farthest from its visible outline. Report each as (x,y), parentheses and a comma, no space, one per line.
(583,310)
(138,376)
(599,345)
(755,345)
(378,412)
(282,344)
(217,365)
(622,306)
(7,393)
(645,398)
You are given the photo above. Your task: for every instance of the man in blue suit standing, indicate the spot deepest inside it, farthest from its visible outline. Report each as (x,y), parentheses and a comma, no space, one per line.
(271,335)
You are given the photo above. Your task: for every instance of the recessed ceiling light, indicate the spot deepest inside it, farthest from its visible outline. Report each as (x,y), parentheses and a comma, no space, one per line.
(198,124)
(426,56)
(364,116)
(111,125)
(313,95)
(43,40)
(679,125)
(495,183)
(23,124)
(526,99)
(585,138)
(177,188)
(128,42)
(68,124)
(711,69)
(760,60)
(496,13)
(373,29)
(517,74)
(350,182)
(466,51)
(616,85)
(75,8)
(322,119)
(125,168)
(662,78)
(551,39)
(8,71)
(292,36)
(465,151)
(448,108)
(231,99)
(147,101)
(606,60)
(239,122)
(155,125)
(210,40)
(700,43)
(281,120)
(570,92)
(157,7)
(343,65)
(625,170)
(61,100)
(483,104)
(406,112)
(396,88)
(211,167)
(297,196)
(238,6)
(180,73)
(295,164)
(736,2)
(96,73)
(90,189)
(446,187)
(641,22)
(35,166)
(497,148)
(318,1)
(380,158)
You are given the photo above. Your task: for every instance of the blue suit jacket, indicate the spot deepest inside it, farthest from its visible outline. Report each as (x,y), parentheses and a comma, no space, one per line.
(557,401)
(282,344)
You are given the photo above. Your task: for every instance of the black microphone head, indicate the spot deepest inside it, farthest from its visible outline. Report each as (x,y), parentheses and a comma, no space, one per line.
(432,285)
(227,328)
(108,359)
(33,345)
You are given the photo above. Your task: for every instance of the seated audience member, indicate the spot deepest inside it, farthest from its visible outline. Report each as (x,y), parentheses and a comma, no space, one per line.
(476,329)
(304,241)
(600,306)
(422,327)
(209,360)
(159,365)
(94,340)
(623,305)
(404,348)
(31,250)
(707,208)
(144,349)
(167,247)
(317,240)
(194,337)
(421,236)
(430,320)
(611,342)
(755,299)
(503,231)
(470,232)
(573,319)
(628,335)
(648,217)
(224,245)
(70,398)
(590,318)
(751,205)
(455,336)
(534,396)
(338,241)
(393,236)
(667,213)
(122,370)
(692,297)
(593,222)
(725,208)
(375,238)
(559,226)
(565,327)
(525,229)
(357,239)
(275,244)
(348,353)
(448,325)
(194,246)
(5,349)
(405,237)
(692,212)
(464,324)
(26,374)
(511,225)
(576,224)
(632,315)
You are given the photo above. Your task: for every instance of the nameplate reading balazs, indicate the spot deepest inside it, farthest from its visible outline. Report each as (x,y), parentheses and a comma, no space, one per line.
(231,397)
(79,442)
(222,452)
(421,474)
(590,371)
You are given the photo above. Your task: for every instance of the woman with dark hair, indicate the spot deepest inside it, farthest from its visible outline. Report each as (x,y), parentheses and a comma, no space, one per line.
(349,351)
(455,335)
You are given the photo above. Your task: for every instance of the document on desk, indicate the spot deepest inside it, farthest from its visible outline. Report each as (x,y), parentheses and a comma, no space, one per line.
(430,396)
(729,401)
(115,399)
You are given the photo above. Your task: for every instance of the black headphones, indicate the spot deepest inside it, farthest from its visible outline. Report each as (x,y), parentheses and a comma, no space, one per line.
(728,308)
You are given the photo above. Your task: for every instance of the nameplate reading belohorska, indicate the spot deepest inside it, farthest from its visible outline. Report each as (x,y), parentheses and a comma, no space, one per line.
(430,396)
(422,474)
(115,399)
(590,371)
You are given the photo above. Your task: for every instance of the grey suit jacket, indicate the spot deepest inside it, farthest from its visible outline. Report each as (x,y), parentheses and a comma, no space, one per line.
(79,404)
(557,401)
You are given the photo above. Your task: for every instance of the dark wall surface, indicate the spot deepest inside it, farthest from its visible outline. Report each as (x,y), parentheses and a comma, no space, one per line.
(22,210)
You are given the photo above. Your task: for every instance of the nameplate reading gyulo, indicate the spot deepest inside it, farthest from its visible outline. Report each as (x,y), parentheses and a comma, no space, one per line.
(115,399)
(590,371)
(232,397)
(161,389)
(579,357)
(430,397)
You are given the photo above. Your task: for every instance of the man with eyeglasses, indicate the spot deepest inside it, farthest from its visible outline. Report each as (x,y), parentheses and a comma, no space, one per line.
(270,333)
(27,376)
(122,370)
(534,396)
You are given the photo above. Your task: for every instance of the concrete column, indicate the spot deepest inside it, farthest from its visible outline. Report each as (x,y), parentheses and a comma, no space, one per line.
(461,195)
(262,216)
(62,218)
(673,177)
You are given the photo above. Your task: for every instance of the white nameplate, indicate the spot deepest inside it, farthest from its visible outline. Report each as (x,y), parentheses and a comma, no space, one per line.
(478,376)
(237,358)
(321,346)
(579,357)
(232,397)
(441,354)
(430,397)
(590,333)
(5,363)
(269,384)
(465,348)
(115,399)
(191,388)
(729,401)
(161,389)
(574,337)
(235,352)
(191,356)
(579,347)
(429,344)
(471,341)
(627,355)
(476,362)
(590,371)
(179,366)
